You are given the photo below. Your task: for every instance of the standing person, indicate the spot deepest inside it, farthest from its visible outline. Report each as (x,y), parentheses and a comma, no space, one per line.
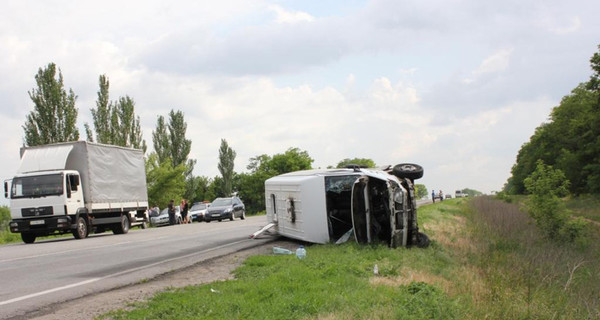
(171,212)
(433,196)
(184,211)
(441,196)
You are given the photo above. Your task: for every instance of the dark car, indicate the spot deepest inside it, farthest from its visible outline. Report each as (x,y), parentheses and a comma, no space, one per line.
(225,208)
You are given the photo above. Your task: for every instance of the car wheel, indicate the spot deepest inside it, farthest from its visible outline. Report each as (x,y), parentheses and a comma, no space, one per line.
(243,214)
(220,220)
(232,216)
(143,225)
(408,170)
(81,231)
(28,237)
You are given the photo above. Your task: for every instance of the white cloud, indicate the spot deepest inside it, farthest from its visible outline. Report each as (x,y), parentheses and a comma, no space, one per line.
(285,16)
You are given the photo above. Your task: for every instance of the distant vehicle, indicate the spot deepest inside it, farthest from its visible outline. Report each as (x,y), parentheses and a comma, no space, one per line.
(437,196)
(460,194)
(333,205)
(197,211)
(77,187)
(162,218)
(225,208)
(448,196)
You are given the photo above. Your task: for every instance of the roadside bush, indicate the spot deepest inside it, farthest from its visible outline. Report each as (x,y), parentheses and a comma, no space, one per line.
(545,206)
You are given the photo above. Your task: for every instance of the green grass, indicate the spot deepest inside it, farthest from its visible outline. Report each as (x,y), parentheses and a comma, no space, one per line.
(486,261)
(587,206)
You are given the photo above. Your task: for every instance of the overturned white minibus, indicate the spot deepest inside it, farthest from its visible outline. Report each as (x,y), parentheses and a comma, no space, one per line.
(324,206)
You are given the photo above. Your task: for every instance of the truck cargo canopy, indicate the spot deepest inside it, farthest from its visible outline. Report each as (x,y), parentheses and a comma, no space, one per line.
(44,159)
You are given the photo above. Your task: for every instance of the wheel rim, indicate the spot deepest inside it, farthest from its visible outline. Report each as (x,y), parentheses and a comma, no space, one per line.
(81,228)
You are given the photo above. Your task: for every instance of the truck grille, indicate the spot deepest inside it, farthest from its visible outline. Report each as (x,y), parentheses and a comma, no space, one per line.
(37,212)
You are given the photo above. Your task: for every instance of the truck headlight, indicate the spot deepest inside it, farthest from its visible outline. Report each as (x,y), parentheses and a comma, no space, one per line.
(14,224)
(398,196)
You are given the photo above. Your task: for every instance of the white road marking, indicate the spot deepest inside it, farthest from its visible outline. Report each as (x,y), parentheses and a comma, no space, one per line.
(78,284)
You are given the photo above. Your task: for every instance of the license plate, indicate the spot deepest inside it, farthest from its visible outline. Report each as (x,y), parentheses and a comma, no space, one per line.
(215,214)
(36,222)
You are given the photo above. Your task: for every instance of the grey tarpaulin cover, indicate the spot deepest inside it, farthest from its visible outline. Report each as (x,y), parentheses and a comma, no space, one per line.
(108,173)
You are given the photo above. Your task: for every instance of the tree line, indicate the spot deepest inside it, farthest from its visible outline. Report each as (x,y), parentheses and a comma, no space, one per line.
(569,141)
(169,168)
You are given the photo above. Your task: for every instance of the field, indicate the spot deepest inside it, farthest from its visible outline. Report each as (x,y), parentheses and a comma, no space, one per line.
(486,261)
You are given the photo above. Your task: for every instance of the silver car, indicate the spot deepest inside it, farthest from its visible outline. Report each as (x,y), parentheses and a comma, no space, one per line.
(162,218)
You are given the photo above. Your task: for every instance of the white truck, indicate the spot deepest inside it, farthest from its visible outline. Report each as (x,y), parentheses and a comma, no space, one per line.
(325,206)
(77,187)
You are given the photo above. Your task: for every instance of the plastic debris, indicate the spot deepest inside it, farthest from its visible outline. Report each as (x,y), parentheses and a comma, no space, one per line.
(279,250)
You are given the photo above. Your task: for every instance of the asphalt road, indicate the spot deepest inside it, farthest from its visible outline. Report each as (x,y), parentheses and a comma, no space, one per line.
(53,271)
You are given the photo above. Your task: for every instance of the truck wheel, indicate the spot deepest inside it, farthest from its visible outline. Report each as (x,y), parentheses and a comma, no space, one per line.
(81,231)
(408,170)
(123,227)
(144,226)
(28,237)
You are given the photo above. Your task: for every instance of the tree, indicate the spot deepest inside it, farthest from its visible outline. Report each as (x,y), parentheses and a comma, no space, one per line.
(160,140)
(54,116)
(368,163)
(546,185)
(115,122)
(225,166)
(421,191)
(164,181)
(251,186)
(569,141)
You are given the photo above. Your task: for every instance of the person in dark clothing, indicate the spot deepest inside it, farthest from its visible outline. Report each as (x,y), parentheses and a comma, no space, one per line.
(171,212)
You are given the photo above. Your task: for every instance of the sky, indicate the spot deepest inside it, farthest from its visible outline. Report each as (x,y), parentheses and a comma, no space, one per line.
(454,86)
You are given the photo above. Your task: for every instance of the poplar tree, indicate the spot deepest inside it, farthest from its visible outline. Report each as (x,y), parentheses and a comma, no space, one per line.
(54,116)
(115,122)
(225,166)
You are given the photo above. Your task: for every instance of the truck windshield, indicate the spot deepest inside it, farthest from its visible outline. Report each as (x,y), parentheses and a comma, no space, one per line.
(37,186)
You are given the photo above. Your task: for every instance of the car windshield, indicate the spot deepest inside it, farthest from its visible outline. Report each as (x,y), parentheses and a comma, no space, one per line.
(221,202)
(37,186)
(199,206)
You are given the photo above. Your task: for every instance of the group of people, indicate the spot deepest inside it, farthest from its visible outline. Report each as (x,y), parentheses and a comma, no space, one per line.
(184,207)
(441,195)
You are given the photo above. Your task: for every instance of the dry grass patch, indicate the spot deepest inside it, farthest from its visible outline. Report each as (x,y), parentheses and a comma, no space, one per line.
(409,276)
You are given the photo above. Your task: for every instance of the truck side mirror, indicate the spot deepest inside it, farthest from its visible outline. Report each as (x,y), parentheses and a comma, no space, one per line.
(5,189)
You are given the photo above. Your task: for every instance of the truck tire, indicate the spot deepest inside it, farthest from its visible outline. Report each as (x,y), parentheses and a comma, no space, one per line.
(81,230)
(122,227)
(28,237)
(408,170)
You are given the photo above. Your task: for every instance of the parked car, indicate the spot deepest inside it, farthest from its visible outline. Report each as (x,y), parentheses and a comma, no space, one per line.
(448,196)
(197,211)
(225,208)
(162,218)
(136,221)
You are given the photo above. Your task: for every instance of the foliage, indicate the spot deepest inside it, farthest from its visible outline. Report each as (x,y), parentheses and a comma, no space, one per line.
(196,189)
(164,181)
(225,166)
(251,186)
(421,191)
(545,206)
(368,163)
(115,122)
(569,141)
(471,192)
(54,116)
(524,276)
